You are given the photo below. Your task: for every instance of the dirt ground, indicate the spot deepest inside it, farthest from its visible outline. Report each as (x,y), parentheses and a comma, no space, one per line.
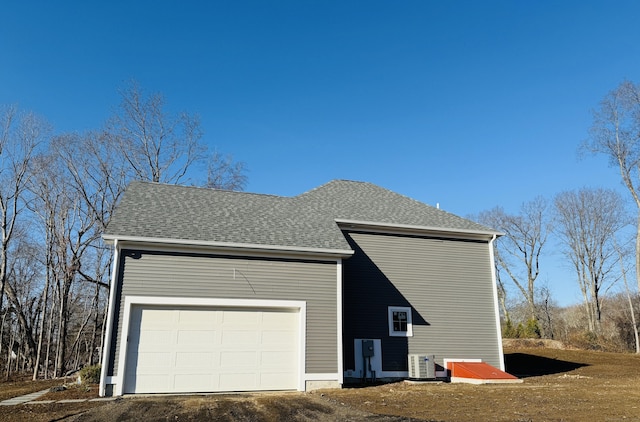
(559,385)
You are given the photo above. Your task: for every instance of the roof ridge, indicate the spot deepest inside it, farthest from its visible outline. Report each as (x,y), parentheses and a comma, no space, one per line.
(204,188)
(333,181)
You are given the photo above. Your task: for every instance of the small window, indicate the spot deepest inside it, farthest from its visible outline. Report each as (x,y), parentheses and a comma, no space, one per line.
(400,321)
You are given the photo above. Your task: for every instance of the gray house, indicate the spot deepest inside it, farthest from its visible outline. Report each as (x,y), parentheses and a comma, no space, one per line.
(230,291)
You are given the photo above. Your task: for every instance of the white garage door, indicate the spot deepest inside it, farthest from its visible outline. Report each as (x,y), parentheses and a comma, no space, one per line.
(211,349)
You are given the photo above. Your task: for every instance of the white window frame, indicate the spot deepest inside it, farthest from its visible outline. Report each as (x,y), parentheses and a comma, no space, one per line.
(392,332)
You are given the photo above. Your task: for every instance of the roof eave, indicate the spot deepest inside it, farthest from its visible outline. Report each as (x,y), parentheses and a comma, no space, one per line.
(228,246)
(407,228)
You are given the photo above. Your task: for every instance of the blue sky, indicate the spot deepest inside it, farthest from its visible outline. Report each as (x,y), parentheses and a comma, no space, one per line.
(469,104)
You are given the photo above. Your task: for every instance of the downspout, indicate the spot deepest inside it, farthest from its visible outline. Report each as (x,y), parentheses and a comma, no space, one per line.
(110,315)
(492,263)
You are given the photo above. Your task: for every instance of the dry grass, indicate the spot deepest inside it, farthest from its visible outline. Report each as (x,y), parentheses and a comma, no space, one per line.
(559,385)
(72,391)
(21,386)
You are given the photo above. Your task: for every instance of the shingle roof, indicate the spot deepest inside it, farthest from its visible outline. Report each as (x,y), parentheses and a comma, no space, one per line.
(306,221)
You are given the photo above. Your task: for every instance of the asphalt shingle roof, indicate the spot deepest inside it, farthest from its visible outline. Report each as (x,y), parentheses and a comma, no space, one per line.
(306,221)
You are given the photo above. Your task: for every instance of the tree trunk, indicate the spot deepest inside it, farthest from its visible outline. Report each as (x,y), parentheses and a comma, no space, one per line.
(49,337)
(77,342)
(4,317)
(45,295)
(9,353)
(633,322)
(102,330)
(3,279)
(92,341)
(638,248)
(62,336)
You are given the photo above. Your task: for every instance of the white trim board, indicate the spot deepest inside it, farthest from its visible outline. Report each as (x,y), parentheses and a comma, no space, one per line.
(106,351)
(340,317)
(403,228)
(130,301)
(145,242)
(496,307)
(331,376)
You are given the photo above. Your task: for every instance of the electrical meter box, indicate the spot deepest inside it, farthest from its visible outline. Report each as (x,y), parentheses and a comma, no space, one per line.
(367,348)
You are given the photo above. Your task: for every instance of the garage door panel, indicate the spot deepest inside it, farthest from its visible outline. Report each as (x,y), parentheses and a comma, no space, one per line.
(277,337)
(148,383)
(152,339)
(198,317)
(234,338)
(239,359)
(211,349)
(279,359)
(197,360)
(277,319)
(195,382)
(238,382)
(240,318)
(153,359)
(200,339)
(157,318)
(270,381)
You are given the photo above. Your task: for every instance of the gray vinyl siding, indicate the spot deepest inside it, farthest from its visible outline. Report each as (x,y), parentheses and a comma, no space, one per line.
(447,283)
(208,276)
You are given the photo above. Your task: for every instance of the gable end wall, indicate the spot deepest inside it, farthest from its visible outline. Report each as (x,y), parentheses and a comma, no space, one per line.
(447,283)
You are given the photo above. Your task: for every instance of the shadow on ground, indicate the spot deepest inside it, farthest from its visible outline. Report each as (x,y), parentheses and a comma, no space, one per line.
(524,365)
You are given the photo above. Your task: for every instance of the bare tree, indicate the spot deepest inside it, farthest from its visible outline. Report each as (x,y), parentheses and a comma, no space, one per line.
(156,145)
(19,138)
(547,311)
(518,252)
(491,219)
(615,132)
(587,222)
(224,173)
(23,291)
(68,227)
(96,172)
(502,293)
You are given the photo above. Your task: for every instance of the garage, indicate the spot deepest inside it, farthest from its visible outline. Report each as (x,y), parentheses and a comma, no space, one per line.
(211,349)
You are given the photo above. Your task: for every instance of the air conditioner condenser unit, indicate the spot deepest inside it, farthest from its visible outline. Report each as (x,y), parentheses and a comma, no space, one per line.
(422,366)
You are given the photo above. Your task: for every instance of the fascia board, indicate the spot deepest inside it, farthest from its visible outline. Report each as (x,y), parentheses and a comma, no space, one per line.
(407,228)
(230,246)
